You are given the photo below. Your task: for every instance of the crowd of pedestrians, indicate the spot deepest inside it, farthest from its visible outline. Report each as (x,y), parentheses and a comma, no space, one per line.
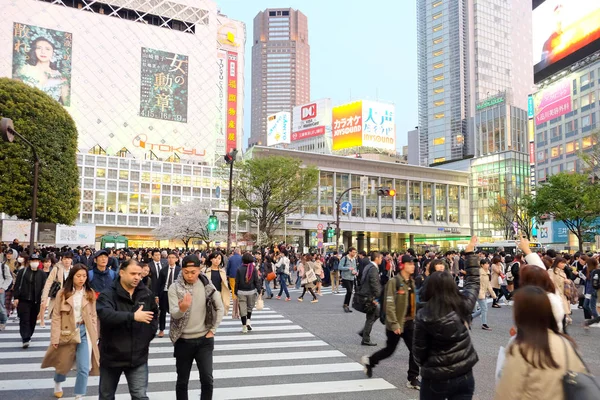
(106,306)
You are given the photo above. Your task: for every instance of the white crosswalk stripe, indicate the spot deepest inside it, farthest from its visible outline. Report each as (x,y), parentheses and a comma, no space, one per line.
(277,359)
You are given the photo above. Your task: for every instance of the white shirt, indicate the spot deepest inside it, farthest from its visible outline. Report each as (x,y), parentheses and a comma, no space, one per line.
(77,300)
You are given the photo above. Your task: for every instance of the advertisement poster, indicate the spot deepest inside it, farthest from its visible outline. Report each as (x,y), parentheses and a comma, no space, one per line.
(560,28)
(347,125)
(553,102)
(221,121)
(379,128)
(42,59)
(164,85)
(279,128)
(232,101)
(311,115)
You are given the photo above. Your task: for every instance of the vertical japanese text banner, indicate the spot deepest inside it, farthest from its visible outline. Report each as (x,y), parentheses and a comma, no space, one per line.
(164,86)
(232,102)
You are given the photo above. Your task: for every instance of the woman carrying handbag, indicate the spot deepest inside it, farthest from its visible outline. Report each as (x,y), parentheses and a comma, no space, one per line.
(306,271)
(74,333)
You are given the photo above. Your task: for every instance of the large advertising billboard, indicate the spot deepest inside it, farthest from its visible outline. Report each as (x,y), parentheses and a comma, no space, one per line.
(564,32)
(311,115)
(42,59)
(279,128)
(136,89)
(553,101)
(364,123)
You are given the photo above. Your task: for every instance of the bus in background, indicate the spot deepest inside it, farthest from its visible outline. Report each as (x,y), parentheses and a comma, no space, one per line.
(507,246)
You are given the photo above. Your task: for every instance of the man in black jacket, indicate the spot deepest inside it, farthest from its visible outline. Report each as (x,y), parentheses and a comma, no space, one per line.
(370,288)
(128,321)
(27,293)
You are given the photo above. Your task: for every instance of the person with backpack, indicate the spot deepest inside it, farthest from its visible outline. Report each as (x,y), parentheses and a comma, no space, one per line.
(196,312)
(334,268)
(400,309)
(368,294)
(101,277)
(591,291)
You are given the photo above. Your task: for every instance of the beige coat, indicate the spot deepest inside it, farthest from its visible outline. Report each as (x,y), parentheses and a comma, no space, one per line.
(521,381)
(485,286)
(63,358)
(225,292)
(559,277)
(57,271)
(496,271)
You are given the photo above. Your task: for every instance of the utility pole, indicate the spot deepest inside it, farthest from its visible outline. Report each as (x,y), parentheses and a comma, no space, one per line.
(230,159)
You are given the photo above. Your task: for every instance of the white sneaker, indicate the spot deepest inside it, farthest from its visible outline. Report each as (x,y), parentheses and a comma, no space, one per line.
(244,329)
(2,327)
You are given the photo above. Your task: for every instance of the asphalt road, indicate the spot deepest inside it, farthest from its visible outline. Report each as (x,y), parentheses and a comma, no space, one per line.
(327,321)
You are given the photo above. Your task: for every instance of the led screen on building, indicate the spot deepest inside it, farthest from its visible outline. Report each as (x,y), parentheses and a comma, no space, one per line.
(553,102)
(133,88)
(564,32)
(364,123)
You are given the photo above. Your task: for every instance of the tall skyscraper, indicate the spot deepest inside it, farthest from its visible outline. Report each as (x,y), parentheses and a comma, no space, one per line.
(280,66)
(468,51)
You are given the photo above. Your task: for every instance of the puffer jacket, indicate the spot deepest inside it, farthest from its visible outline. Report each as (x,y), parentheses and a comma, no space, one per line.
(442,346)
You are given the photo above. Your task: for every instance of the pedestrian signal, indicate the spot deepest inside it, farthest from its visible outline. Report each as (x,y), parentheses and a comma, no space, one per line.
(213,223)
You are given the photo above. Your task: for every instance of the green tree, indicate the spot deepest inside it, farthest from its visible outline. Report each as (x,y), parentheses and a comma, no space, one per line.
(50,128)
(590,156)
(271,187)
(570,198)
(506,211)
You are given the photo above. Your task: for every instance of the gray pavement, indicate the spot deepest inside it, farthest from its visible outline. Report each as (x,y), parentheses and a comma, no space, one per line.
(328,322)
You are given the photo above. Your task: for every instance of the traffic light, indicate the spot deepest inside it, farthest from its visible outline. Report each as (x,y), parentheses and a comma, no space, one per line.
(231,156)
(213,223)
(386,192)
(330,231)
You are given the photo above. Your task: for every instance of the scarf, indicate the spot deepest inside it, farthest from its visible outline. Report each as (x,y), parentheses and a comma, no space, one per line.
(249,271)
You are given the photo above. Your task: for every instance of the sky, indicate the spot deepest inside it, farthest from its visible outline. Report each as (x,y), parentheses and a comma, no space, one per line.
(359,50)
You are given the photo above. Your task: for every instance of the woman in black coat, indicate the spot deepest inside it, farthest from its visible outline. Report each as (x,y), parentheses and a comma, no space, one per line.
(442,345)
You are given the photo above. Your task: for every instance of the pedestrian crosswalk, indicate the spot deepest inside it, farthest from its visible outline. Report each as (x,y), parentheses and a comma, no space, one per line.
(278,359)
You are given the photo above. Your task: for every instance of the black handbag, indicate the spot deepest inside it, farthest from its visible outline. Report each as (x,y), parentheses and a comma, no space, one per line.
(54,289)
(579,386)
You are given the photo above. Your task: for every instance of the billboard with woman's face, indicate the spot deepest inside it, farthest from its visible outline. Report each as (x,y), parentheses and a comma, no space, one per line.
(42,59)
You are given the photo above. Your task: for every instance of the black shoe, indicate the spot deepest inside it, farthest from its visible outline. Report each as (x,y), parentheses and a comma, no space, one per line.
(347,309)
(368,367)
(485,327)
(360,334)
(414,384)
(369,343)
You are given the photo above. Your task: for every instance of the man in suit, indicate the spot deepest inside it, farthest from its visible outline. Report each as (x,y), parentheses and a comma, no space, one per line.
(168,275)
(156,264)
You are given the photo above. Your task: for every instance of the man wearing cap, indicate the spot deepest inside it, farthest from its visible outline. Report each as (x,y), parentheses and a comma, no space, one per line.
(196,312)
(400,310)
(27,293)
(59,274)
(101,277)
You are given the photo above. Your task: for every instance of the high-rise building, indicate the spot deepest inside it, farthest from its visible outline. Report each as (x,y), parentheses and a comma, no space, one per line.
(468,51)
(280,67)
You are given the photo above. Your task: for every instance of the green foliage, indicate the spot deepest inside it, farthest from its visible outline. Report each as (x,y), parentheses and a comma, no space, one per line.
(50,128)
(505,211)
(570,198)
(270,188)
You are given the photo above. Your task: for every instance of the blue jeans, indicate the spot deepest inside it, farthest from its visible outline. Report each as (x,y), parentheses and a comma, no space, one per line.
(3,314)
(459,388)
(137,380)
(268,288)
(483,310)
(590,305)
(298,280)
(82,358)
(283,288)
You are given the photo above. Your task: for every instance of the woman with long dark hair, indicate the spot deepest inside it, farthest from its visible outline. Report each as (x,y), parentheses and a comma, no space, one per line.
(559,277)
(539,356)
(442,343)
(247,287)
(74,333)
(218,277)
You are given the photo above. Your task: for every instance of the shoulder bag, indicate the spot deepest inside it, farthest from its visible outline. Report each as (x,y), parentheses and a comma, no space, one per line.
(55,288)
(579,386)
(70,337)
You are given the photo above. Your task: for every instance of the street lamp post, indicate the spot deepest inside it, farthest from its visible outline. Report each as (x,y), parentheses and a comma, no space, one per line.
(230,159)
(8,135)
